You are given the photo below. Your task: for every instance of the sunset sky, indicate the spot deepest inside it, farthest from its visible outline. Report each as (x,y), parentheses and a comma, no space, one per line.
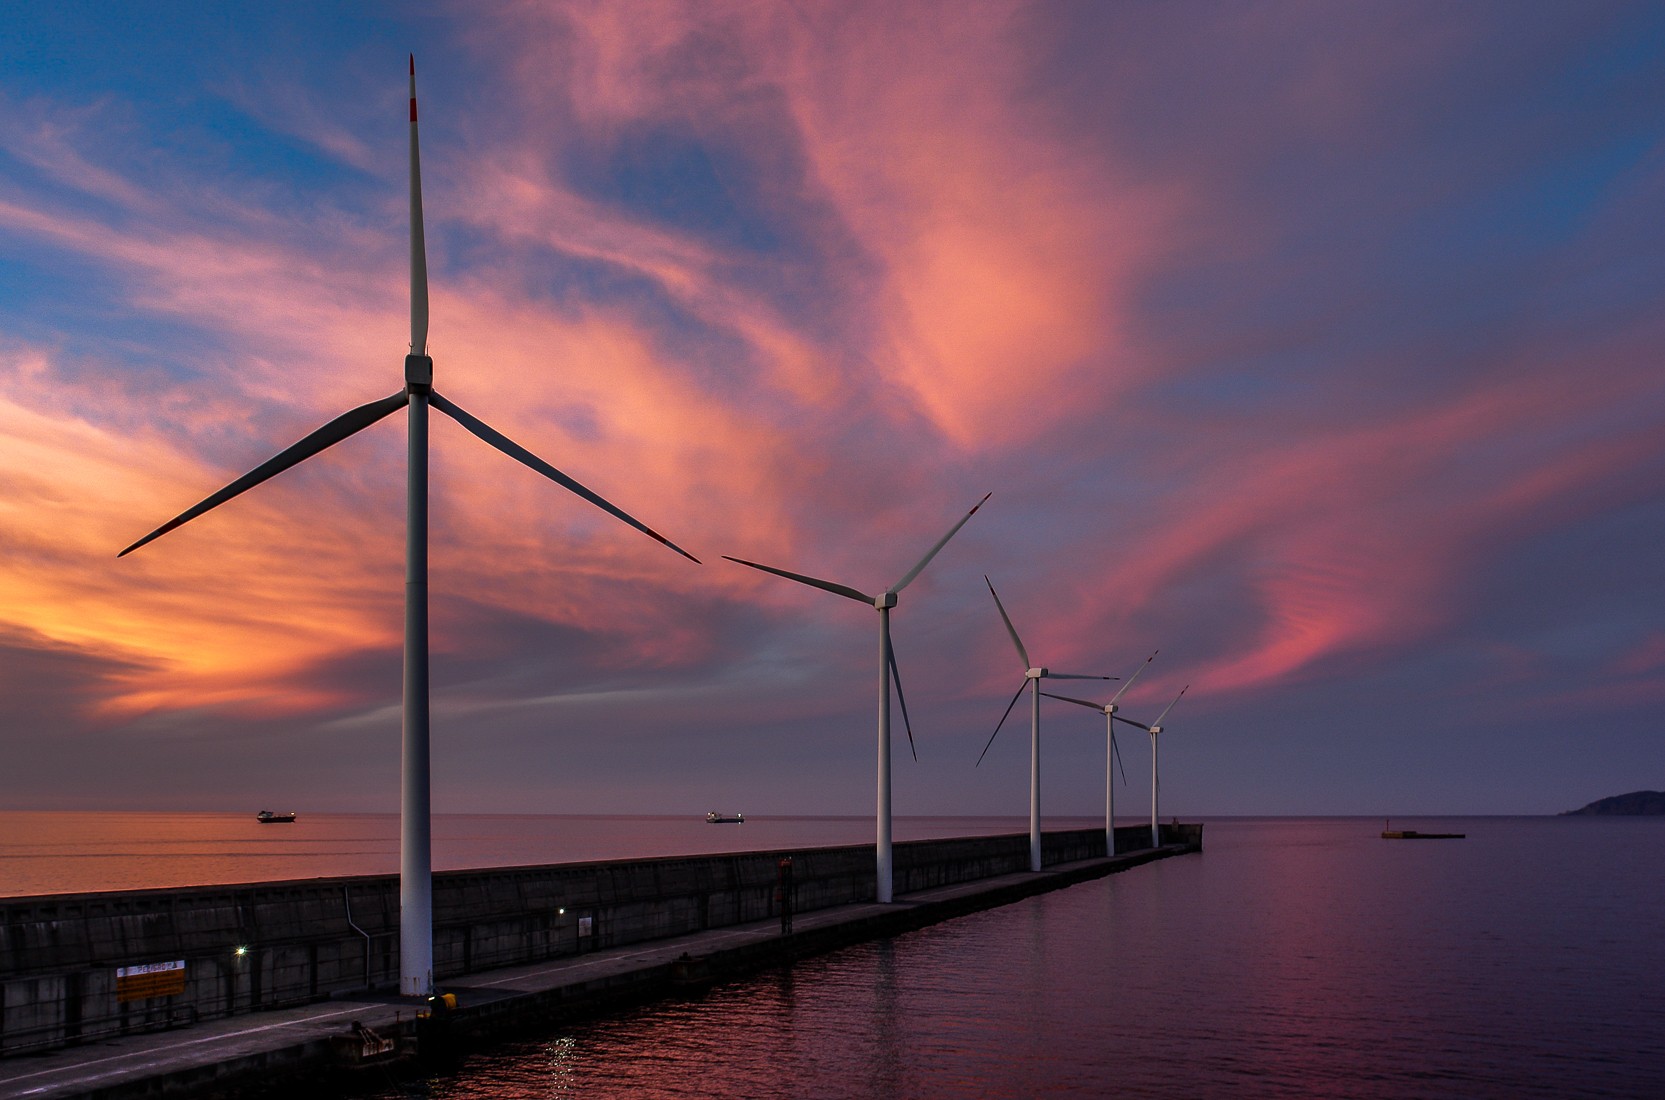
(1321,346)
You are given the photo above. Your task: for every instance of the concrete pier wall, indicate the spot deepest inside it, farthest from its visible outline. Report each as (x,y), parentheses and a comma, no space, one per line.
(266,945)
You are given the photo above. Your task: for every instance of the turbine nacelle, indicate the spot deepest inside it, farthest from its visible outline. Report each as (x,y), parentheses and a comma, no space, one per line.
(415,852)
(883,602)
(419,373)
(888,674)
(1156,726)
(1110,709)
(1032,674)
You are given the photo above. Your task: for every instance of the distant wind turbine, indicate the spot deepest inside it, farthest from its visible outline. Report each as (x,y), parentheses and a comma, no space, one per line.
(1154,729)
(887,672)
(1032,678)
(416,941)
(1111,756)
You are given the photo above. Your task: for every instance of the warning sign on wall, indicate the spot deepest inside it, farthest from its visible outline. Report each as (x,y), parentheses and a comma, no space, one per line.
(138,983)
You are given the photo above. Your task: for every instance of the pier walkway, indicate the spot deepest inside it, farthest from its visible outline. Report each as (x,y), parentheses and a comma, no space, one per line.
(254,1051)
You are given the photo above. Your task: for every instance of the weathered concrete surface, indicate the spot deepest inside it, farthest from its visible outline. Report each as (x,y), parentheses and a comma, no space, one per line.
(251,1051)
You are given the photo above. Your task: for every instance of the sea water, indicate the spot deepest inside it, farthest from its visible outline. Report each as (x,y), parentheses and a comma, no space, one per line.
(1292,958)
(48,852)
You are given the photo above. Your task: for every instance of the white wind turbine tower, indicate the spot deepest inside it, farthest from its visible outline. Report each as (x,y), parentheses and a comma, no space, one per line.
(416,947)
(1032,678)
(887,672)
(1154,729)
(1111,756)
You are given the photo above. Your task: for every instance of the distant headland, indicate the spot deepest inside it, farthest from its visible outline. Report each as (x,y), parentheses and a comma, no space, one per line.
(1636,803)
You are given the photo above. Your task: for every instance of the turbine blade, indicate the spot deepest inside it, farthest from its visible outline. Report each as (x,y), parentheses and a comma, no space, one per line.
(354,420)
(896,677)
(1131,722)
(418,247)
(926,560)
(1116,751)
(1164,714)
(1077,676)
(1079,702)
(527,458)
(1002,721)
(1135,676)
(813,582)
(1010,629)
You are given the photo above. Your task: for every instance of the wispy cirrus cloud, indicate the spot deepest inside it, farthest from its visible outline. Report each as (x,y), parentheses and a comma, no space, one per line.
(1293,342)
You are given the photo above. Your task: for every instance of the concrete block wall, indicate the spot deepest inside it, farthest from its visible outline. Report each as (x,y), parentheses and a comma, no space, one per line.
(1189,833)
(302,941)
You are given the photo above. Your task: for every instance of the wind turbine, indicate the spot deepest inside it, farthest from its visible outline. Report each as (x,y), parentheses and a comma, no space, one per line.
(1111,756)
(1153,729)
(887,672)
(1032,678)
(416,941)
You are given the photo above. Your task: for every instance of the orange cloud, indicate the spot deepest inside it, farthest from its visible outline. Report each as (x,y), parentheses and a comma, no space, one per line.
(977,297)
(210,620)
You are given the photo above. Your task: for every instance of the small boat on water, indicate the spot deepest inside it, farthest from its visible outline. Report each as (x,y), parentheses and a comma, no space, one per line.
(716,818)
(1389,833)
(267,817)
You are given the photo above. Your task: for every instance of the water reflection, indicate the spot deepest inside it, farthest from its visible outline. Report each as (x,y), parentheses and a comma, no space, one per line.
(888,1022)
(1291,960)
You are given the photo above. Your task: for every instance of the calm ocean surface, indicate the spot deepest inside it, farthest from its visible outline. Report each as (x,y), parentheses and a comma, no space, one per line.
(1293,958)
(54,853)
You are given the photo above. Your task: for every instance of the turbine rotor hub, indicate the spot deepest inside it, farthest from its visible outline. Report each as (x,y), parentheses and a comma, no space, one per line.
(884,601)
(1036,673)
(419,373)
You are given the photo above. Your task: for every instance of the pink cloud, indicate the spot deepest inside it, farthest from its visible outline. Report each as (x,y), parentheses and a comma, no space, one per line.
(1352,541)
(997,256)
(227,615)
(989,272)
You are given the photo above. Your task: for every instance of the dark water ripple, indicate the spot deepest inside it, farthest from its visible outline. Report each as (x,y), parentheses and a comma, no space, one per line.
(1293,959)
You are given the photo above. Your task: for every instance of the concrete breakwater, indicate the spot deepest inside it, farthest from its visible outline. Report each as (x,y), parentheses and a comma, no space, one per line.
(74,968)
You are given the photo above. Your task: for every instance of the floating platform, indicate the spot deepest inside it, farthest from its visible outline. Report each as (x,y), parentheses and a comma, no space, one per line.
(1412,834)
